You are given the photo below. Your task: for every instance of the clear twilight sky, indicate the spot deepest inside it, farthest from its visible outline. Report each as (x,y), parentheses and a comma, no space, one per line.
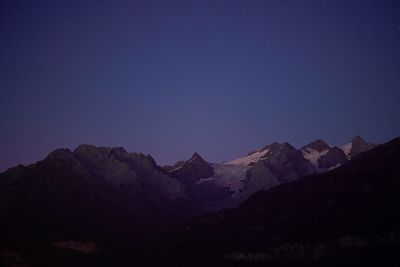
(222,78)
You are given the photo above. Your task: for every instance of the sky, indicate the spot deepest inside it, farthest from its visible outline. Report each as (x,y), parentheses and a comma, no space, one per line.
(222,78)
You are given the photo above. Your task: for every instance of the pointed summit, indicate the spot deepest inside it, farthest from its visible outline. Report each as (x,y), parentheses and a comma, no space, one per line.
(192,170)
(196,156)
(359,145)
(358,139)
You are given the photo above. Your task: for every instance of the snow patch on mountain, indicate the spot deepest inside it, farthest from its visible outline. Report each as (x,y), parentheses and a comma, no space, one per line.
(333,167)
(313,155)
(251,158)
(177,168)
(203,180)
(230,176)
(347,149)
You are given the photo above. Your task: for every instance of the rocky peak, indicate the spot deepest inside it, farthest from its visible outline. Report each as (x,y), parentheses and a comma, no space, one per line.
(196,158)
(358,139)
(61,153)
(275,147)
(318,145)
(85,148)
(101,162)
(282,149)
(62,158)
(192,170)
(359,145)
(119,152)
(283,163)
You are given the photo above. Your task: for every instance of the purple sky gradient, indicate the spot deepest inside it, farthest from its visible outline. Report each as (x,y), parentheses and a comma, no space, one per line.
(221,78)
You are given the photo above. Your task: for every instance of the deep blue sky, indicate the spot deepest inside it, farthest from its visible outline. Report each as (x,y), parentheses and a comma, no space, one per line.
(172,77)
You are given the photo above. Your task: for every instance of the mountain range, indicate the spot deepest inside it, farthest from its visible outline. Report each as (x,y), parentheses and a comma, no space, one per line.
(277,198)
(221,185)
